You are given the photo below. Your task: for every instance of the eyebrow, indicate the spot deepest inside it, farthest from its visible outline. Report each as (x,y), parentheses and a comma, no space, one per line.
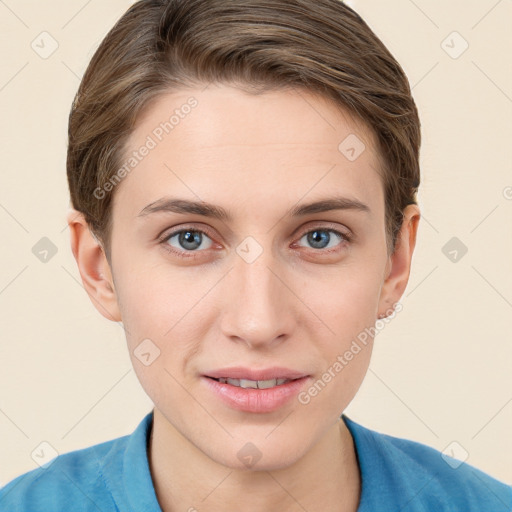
(172,205)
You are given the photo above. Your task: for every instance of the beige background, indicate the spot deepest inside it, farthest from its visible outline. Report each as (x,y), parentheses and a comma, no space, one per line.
(441,371)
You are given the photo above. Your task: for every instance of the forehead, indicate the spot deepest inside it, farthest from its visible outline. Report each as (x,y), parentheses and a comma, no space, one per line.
(239,146)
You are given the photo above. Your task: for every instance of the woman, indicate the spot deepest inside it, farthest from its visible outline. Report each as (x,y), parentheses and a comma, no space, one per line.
(243,176)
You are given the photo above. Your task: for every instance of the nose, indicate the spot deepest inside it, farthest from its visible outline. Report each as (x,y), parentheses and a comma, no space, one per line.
(260,307)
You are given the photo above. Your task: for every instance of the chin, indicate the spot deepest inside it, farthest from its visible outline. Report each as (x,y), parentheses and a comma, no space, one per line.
(258,453)
(273,462)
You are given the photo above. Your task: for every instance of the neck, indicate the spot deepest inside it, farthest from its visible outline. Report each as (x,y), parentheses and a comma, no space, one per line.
(327,478)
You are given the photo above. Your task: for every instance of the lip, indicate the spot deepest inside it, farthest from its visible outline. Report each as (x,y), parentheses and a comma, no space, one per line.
(255,400)
(239,372)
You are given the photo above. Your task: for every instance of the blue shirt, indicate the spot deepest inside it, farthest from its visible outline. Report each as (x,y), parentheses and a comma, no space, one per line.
(397,475)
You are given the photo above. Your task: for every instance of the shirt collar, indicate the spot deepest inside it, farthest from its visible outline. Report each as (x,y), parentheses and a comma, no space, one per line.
(139,486)
(140,489)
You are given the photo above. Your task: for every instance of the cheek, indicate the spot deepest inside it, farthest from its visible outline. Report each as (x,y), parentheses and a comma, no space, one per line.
(156,307)
(155,300)
(166,314)
(347,305)
(335,386)
(347,300)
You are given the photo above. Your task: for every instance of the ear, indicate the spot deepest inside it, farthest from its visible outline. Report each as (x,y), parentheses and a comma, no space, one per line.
(399,264)
(93,266)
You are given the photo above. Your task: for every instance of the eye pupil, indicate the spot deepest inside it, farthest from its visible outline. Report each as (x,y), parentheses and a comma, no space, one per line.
(318,237)
(188,238)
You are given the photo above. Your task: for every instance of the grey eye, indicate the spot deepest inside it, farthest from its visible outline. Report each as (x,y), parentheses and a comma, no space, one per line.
(322,238)
(189,239)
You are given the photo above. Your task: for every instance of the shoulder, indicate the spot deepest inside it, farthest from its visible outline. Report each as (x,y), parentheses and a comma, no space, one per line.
(429,479)
(74,478)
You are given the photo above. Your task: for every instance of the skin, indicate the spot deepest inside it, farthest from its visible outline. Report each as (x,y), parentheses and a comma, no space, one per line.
(297,305)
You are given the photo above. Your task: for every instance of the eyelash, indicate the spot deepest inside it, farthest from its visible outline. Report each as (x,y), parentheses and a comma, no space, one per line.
(346,240)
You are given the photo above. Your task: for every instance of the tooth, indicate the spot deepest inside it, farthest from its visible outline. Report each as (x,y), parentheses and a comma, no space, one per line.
(265,384)
(245,383)
(253,384)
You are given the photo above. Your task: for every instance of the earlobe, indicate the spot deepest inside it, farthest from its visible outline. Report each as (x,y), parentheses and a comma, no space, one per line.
(93,266)
(399,263)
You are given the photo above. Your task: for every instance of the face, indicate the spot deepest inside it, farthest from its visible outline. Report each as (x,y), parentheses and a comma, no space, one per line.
(261,280)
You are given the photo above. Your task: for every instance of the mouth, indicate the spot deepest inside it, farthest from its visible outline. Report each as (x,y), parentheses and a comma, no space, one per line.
(252,378)
(255,391)
(253,384)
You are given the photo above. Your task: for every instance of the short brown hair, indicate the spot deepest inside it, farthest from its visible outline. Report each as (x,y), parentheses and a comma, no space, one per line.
(162,45)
